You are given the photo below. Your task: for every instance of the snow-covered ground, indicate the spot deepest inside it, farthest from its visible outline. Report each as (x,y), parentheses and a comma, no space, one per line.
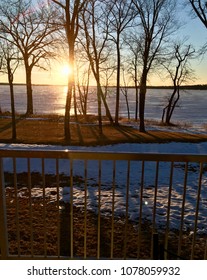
(120,182)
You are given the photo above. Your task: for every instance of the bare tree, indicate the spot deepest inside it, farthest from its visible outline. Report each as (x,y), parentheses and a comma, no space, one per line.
(157,20)
(71,15)
(9,63)
(95,25)
(31,31)
(125,90)
(134,64)
(83,81)
(200,9)
(120,17)
(179,71)
(107,74)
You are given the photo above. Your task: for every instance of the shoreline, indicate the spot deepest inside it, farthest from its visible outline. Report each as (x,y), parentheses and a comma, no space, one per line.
(193,87)
(49,130)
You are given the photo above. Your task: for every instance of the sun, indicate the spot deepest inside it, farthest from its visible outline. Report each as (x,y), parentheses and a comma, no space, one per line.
(66,70)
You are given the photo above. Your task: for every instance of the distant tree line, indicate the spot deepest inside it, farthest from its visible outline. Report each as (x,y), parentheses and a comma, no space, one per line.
(110,40)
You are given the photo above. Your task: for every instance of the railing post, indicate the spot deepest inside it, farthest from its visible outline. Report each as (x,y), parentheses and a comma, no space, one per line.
(3,220)
(155,246)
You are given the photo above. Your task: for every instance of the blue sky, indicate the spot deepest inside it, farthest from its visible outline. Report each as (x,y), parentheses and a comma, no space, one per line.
(197,34)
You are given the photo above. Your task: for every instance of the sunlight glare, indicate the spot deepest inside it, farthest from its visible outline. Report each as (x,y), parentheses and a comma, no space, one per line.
(66,70)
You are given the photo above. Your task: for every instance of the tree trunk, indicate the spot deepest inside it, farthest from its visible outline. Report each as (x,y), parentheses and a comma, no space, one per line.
(75,104)
(137,101)
(29,90)
(117,83)
(10,78)
(99,109)
(108,114)
(163,113)
(67,114)
(167,118)
(142,96)
(70,92)
(127,103)
(97,77)
(172,104)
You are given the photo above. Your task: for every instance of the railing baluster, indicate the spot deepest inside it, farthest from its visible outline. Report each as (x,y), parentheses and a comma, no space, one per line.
(58,204)
(154,206)
(155,197)
(44,207)
(197,209)
(168,210)
(127,210)
(71,208)
(16,206)
(113,208)
(99,210)
(85,208)
(140,211)
(3,217)
(30,206)
(205,253)
(183,209)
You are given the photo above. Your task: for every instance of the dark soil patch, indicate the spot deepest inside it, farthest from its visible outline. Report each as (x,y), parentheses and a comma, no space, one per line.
(41,226)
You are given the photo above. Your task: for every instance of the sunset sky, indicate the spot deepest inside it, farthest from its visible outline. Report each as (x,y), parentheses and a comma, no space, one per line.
(197,36)
(193,29)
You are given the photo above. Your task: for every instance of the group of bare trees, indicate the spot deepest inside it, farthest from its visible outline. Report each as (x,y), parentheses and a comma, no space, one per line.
(178,66)
(26,38)
(106,36)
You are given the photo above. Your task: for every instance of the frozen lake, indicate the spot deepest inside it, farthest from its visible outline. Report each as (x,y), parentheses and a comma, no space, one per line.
(51,99)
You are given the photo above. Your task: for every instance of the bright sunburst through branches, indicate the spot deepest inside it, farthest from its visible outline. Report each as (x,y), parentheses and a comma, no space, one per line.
(66,70)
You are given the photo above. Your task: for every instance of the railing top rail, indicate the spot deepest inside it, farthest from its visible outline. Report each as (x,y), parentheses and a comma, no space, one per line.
(102,155)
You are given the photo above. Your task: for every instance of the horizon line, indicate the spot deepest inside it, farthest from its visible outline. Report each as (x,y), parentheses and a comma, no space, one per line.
(113,86)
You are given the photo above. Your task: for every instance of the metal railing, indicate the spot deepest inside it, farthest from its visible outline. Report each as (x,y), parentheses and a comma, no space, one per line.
(75,204)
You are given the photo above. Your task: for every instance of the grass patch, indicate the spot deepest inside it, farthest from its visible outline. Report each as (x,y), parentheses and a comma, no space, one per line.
(49,129)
